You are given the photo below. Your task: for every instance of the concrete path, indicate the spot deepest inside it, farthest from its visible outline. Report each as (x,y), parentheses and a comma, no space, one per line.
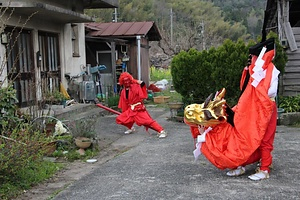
(165,169)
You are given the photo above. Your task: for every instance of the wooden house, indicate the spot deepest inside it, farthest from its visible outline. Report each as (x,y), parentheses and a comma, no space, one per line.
(283,17)
(120,46)
(41,42)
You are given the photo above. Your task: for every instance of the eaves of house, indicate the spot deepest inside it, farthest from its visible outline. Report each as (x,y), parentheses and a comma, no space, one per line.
(71,13)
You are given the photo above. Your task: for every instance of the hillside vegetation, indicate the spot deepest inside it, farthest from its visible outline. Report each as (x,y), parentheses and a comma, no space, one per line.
(186,24)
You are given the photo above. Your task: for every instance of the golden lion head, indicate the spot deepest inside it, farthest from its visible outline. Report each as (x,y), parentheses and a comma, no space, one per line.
(209,113)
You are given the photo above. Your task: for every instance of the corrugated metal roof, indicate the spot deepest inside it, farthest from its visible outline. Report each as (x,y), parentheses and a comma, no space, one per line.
(124,29)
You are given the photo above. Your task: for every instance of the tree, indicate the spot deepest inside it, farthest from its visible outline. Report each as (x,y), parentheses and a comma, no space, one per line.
(195,24)
(192,23)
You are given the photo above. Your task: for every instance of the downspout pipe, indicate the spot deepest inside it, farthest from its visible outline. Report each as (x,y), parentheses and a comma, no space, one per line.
(138,39)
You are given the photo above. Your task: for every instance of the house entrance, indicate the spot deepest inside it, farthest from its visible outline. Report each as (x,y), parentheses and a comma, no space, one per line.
(49,62)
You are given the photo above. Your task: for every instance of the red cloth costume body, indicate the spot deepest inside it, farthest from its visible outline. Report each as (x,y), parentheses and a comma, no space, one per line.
(138,114)
(251,139)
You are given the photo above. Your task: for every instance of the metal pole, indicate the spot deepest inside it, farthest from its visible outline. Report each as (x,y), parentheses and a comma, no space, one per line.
(171,14)
(116,15)
(138,38)
(203,36)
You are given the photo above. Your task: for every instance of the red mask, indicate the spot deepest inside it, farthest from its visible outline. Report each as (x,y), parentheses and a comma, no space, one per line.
(126,82)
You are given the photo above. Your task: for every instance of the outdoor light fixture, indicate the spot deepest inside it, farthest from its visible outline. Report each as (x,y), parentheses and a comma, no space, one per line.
(4,39)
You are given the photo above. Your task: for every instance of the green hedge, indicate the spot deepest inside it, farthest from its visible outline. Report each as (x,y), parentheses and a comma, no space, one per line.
(197,74)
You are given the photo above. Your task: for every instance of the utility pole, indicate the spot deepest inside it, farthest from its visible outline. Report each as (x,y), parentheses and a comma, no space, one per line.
(171,19)
(115,15)
(203,37)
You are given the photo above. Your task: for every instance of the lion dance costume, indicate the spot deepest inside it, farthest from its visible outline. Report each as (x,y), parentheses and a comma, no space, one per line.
(244,134)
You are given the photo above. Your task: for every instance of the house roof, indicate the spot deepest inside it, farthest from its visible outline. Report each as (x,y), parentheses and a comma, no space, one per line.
(124,30)
(47,10)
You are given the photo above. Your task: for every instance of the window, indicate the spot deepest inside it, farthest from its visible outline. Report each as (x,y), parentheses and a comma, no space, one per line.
(49,50)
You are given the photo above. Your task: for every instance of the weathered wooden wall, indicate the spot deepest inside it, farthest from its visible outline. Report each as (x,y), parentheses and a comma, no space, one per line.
(291,77)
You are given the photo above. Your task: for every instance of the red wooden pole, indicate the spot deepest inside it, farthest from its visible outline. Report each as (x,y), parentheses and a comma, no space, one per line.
(108,109)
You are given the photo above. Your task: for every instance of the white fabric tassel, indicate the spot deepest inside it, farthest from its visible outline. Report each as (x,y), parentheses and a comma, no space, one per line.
(200,140)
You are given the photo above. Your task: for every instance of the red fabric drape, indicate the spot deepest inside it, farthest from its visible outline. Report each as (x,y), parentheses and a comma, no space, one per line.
(229,147)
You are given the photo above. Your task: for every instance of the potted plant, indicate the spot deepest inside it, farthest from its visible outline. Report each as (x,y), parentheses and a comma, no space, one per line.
(84,132)
(174,108)
(175,105)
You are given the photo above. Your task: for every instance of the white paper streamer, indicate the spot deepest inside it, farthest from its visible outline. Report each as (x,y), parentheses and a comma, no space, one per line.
(200,140)
(259,73)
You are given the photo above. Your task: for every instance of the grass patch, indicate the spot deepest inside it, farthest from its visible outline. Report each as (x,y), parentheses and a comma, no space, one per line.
(30,175)
(174,97)
(159,74)
(38,171)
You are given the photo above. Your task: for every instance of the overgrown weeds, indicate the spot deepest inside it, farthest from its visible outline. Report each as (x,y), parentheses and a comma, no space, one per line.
(113,101)
(21,160)
(157,74)
(23,146)
(26,177)
(83,128)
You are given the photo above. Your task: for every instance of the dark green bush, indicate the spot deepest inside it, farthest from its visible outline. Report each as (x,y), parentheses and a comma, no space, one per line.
(8,108)
(197,74)
(290,104)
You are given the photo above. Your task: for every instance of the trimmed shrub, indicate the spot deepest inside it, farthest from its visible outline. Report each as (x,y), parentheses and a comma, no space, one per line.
(198,74)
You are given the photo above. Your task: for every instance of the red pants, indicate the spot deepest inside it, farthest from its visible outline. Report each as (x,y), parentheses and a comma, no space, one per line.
(141,118)
(263,153)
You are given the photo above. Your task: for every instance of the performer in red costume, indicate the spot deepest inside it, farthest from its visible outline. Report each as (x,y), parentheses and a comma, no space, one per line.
(249,137)
(263,152)
(133,108)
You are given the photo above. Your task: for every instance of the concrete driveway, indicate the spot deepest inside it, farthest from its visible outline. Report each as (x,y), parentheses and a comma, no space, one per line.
(165,169)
